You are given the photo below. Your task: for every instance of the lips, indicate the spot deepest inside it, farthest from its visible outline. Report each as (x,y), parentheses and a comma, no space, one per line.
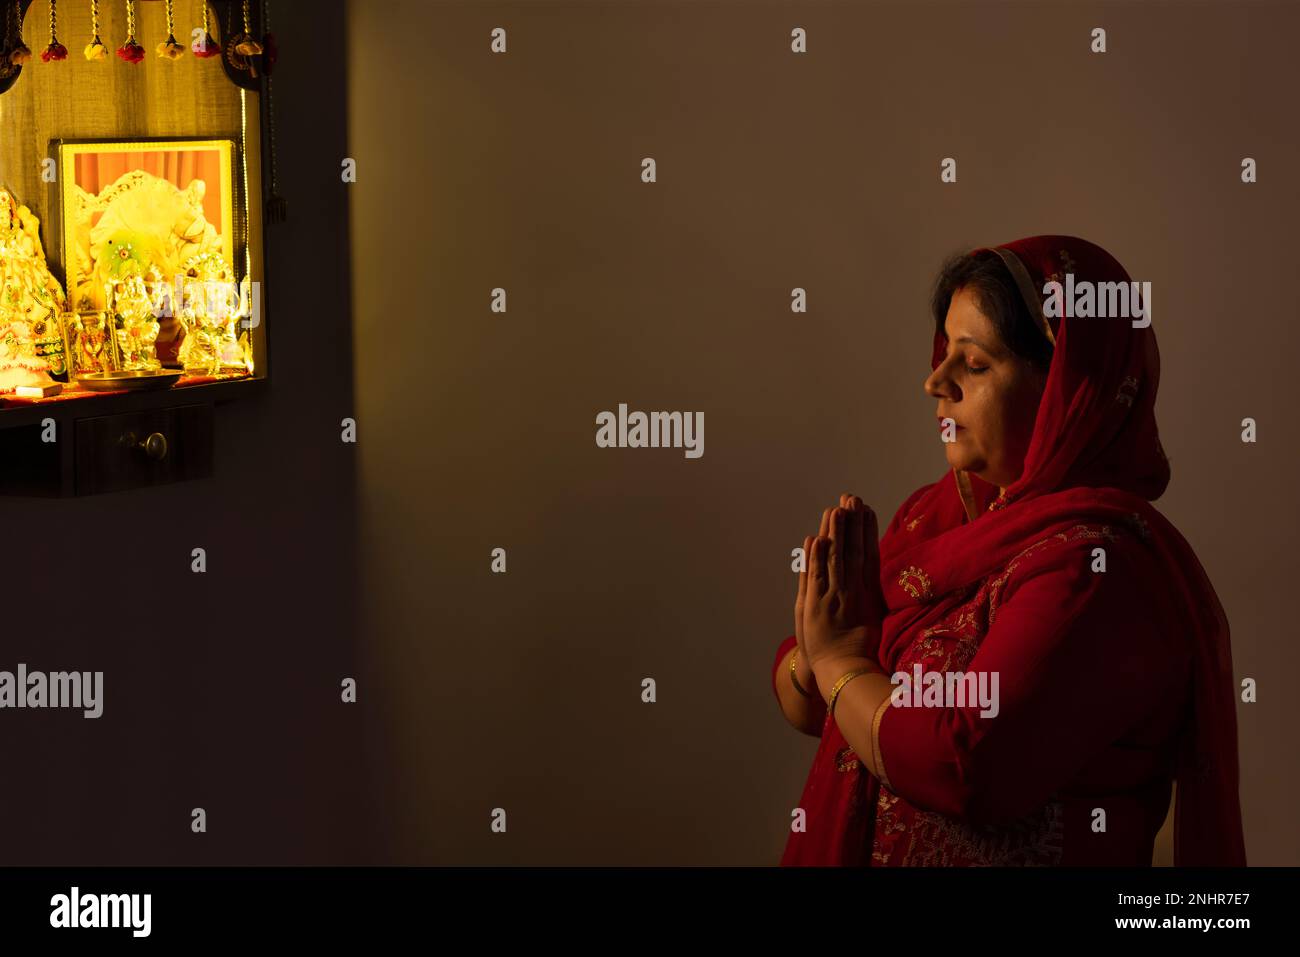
(941,424)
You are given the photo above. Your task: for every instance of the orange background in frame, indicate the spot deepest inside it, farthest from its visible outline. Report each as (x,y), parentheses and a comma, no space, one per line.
(94,171)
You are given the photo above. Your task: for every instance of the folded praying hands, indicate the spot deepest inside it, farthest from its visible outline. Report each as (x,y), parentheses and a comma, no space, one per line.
(840,605)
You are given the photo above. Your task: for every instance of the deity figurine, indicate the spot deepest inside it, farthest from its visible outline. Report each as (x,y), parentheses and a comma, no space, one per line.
(210,309)
(31,341)
(20,365)
(139,326)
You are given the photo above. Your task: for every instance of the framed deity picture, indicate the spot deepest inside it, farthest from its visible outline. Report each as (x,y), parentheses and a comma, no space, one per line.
(150,209)
(90,345)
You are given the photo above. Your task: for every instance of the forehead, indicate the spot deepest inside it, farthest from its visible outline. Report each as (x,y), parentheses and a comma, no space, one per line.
(965,319)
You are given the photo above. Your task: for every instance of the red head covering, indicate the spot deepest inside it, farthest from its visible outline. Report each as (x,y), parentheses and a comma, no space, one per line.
(1096,423)
(1095,455)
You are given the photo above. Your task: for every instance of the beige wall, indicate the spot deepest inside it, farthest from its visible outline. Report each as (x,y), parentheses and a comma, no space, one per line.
(477,430)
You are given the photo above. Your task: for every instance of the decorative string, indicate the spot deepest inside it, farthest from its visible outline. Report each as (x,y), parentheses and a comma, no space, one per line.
(22,52)
(207,45)
(130,51)
(56,50)
(245,44)
(169,49)
(95,50)
(277,208)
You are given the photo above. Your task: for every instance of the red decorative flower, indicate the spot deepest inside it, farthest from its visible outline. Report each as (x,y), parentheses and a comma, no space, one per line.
(207,47)
(55,51)
(131,52)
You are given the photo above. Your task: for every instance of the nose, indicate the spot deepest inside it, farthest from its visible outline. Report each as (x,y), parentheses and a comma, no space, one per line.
(938,384)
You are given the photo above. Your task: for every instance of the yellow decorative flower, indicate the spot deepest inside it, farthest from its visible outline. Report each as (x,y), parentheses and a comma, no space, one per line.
(169,49)
(96,50)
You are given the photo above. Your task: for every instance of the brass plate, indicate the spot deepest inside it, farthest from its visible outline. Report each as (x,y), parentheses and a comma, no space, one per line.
(130,381)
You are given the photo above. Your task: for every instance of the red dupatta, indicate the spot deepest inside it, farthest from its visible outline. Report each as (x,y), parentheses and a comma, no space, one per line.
(1095,455)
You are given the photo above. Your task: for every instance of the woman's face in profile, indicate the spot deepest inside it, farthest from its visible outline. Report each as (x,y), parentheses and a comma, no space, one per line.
(989,391)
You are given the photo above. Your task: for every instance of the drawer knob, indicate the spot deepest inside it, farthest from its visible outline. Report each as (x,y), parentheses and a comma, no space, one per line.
(152,447)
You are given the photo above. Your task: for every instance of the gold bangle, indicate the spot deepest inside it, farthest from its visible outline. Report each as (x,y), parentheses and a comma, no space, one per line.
(835,691)
(794,678)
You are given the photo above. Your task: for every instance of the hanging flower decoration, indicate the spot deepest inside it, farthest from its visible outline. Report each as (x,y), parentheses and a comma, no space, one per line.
(245,45)
(130,51)
(56,50)
(21,53)
(207,45)
(169,49)
(95,50)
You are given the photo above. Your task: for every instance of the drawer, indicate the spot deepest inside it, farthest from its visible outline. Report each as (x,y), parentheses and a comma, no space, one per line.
(136,449)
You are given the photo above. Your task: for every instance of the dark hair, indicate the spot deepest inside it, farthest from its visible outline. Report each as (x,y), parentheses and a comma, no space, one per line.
(995,290)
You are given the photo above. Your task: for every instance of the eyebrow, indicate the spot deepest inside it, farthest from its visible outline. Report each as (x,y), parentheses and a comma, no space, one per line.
(975,341)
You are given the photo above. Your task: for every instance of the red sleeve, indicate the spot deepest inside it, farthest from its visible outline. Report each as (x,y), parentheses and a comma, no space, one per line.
(1081,657)
(782,650)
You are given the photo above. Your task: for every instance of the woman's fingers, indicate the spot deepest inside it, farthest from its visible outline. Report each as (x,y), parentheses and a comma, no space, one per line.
(836,563)
(825,530)
(818,575)
(844,550)
(870,539)
(871,550)
(803,575)
(802,591)
(853,546)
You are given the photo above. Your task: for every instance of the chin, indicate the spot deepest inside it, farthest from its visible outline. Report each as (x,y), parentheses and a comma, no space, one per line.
(959,460)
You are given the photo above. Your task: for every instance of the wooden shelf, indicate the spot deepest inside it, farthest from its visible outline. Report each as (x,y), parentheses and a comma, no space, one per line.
(32,413)
(114,442)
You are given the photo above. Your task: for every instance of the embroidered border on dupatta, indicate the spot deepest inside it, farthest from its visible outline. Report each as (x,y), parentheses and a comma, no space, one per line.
(1021,276)
(876,755)
(966,493)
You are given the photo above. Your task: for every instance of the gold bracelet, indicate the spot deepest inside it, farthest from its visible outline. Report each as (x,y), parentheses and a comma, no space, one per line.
(794,678)
(835,691)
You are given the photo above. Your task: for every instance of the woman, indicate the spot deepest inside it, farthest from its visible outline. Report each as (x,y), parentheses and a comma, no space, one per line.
(1036,571)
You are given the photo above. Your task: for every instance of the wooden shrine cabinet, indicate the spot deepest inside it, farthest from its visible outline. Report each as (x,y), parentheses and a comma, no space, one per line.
(132,145)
